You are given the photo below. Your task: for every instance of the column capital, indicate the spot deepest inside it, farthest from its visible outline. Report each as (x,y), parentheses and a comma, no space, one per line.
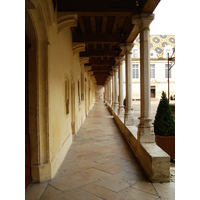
(119,59)
(84,60)
(78,47)
(127,47)
(143,20)
(109,78)
(90,73)
(66,20)
(111,73)
(115,68)
(87,68)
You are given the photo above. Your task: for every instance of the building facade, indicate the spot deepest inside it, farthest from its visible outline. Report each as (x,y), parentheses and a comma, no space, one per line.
(160,45)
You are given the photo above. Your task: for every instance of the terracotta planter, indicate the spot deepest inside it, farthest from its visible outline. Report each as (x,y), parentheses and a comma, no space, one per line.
(167,143)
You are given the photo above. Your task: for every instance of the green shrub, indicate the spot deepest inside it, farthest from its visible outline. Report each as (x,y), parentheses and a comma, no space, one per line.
(124,102)
(164,124)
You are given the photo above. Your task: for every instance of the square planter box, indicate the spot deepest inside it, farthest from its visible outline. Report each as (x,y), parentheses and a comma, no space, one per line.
(167,143)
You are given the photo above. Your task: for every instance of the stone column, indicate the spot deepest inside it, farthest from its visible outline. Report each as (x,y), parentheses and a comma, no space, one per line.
(115,71)
(128,117)
(121,87)
(113,90)
(110,90)
(106,92)
(145,127)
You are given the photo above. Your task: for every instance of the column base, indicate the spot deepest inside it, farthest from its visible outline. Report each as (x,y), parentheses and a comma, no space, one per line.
(145,133)
(128,119)
(110,104)
(115,108)
(121,111)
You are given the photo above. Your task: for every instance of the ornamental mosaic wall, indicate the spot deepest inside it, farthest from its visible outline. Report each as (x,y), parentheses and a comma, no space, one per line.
(158,43)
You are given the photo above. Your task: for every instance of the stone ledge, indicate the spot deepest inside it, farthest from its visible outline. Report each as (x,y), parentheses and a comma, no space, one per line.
(155,162)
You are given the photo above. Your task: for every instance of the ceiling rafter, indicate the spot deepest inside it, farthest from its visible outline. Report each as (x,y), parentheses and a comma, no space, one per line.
(103,25)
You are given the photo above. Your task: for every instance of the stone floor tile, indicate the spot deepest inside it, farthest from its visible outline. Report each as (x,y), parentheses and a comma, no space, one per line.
(35,191)
(98,190)
(132,194)
(165,190)
(112,183)
(93,174)
(78,194)
(51,193)
(78,179)
(81,165)
(130,178)
(102,159)
(145,187)
(112,167)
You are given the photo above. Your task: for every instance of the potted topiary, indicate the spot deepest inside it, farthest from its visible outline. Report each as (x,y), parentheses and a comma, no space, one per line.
(164,127)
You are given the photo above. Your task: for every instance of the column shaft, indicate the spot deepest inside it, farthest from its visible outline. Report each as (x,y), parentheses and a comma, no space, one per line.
(145,104)
(128,83)
(110,93)
(145,127)
(128,117)
(121,89)
(115,89)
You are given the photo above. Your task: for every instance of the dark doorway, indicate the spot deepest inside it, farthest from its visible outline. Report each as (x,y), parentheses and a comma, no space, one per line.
(153,91)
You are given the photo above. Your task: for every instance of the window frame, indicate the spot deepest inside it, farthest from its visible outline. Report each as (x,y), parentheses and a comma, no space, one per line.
(152,71)
(135,71)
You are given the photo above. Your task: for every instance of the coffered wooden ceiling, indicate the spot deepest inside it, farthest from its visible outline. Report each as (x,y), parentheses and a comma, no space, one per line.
(103,25)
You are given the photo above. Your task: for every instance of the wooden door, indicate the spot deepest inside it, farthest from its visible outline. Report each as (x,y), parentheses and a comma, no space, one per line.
(27,138)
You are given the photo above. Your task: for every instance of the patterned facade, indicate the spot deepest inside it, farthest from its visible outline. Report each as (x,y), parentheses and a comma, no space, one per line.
(160,45)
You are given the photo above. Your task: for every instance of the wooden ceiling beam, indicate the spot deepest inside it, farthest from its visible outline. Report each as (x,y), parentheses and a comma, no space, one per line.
(101,73)
(99,53)
(106,14)
(97,6)
(115,24)
(80,19)
(98,38)
(96,68)
(92,20)
(149,6)
(100,63)
(104,22)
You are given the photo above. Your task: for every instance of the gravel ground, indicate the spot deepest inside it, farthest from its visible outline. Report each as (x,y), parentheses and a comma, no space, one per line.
(136,109)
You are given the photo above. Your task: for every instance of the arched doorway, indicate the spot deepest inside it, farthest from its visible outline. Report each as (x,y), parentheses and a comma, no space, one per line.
(27,136)
(36,81)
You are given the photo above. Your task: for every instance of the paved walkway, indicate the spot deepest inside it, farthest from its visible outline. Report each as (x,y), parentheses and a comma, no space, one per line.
(100,165)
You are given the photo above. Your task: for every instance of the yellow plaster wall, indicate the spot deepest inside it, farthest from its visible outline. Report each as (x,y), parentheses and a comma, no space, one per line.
(60,67)
(52,62)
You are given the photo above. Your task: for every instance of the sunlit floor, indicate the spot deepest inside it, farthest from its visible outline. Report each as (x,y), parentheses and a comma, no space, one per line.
(100,165)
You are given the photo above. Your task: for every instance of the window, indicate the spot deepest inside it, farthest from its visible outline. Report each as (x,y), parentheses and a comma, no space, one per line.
(152,70)
(67,95)
(166,71)
(135,68)
(136,52)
